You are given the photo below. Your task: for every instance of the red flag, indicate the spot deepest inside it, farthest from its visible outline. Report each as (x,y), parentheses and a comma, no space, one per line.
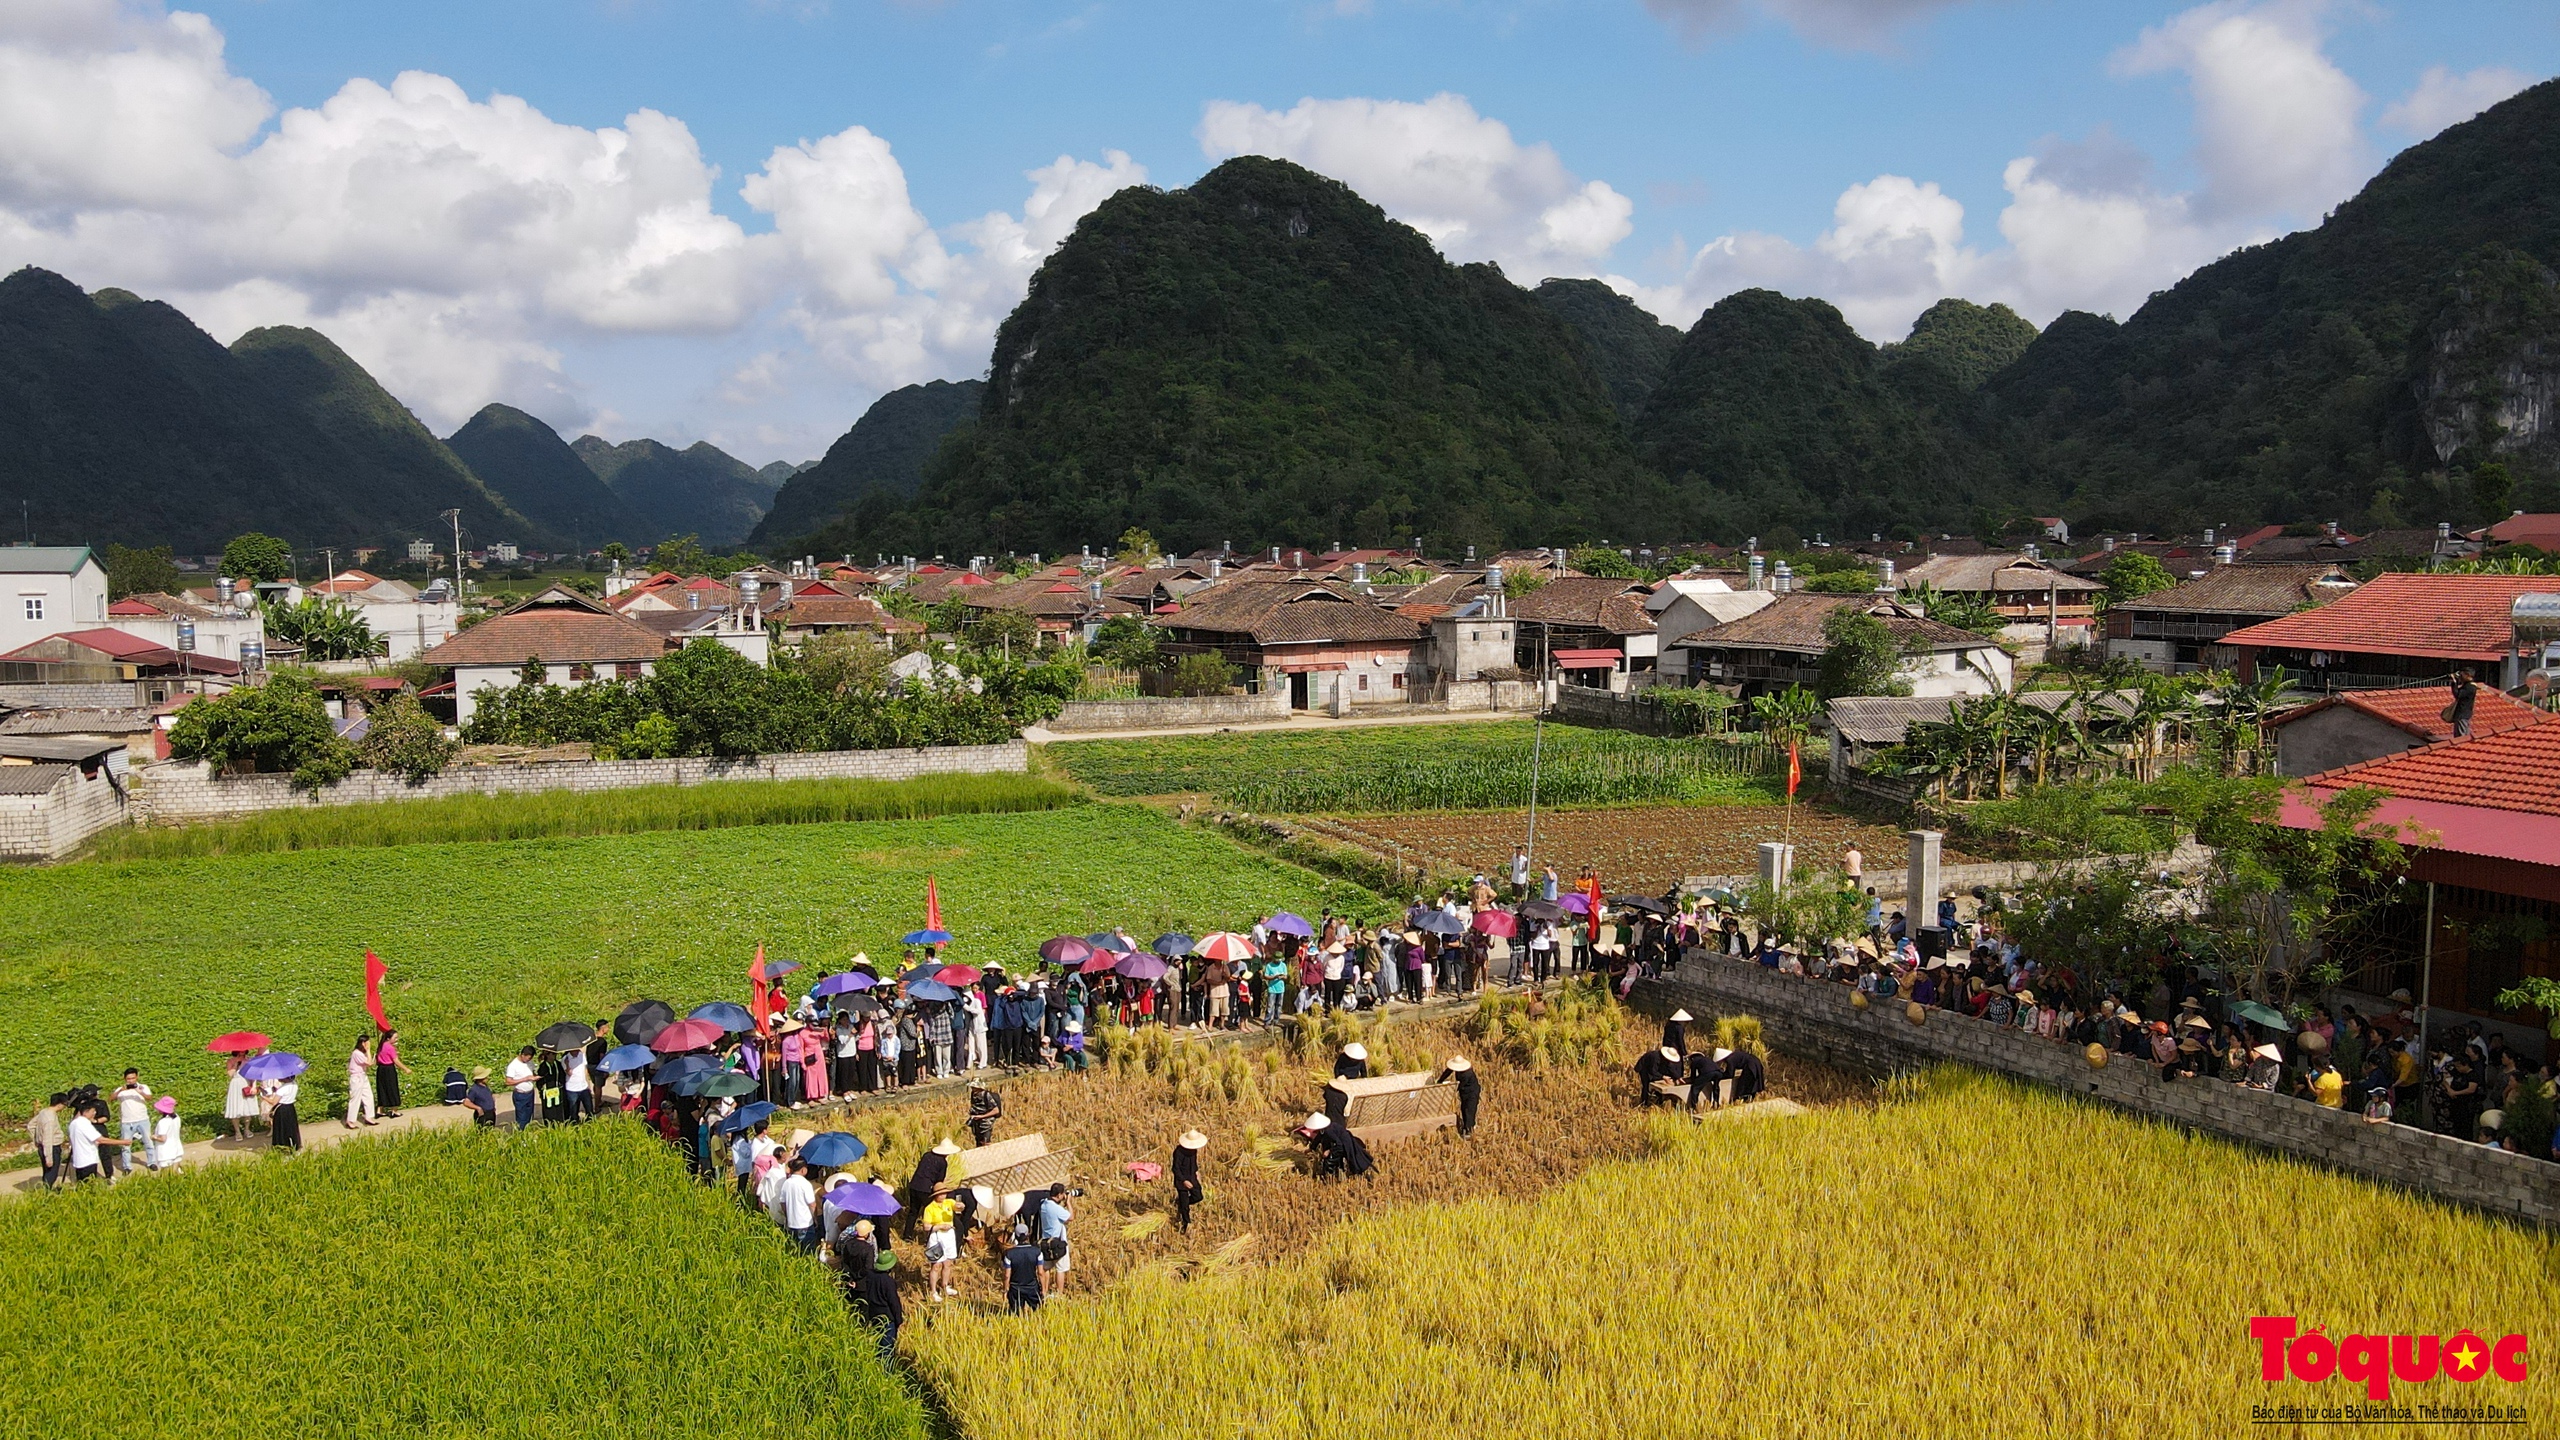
(755,974)
(932,905)
(1795,770)
(373,973)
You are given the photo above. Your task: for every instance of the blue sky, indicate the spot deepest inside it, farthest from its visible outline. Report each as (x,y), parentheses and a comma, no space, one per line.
(469,249)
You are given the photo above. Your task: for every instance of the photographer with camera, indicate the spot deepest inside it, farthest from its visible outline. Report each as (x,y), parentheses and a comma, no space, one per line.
(1055,1253)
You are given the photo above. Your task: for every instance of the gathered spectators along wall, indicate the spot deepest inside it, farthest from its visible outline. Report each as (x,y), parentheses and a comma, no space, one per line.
(49,823)
(1815,1019)
(1166,712)
(180,791)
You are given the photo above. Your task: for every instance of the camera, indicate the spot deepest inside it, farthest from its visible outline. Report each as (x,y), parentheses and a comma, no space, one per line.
(1075,1194)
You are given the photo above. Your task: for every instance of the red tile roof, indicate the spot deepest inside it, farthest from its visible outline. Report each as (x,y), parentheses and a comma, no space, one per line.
(2420,710)
(2452,617)
(2542,532)
(2514,770)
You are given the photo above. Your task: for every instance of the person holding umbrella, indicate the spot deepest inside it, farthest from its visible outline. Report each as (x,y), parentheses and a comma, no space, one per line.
(1186,1177)
(239,1098)
(284,1119)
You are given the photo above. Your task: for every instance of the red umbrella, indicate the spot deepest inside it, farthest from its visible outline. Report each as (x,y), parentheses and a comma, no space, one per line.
(957,976)
(1098,963)
(1497,922)
(238,1042)
(1066,950)
(1226,945)
(688,1035)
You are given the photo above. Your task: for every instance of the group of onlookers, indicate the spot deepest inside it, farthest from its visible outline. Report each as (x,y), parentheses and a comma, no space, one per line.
(81,1135)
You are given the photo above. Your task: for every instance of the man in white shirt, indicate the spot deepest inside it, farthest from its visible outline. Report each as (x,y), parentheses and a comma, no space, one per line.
(800,1206)
(520,1079)
(133,1117)
(1520,872)
(581,1097)
(86,1140)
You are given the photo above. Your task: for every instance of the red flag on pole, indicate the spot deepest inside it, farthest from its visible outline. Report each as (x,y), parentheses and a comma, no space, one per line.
(373,973)
(755,974)
(932,905)
(1795,770)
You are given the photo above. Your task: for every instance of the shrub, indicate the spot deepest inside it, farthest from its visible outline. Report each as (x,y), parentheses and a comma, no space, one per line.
(279,727)
(1201,675)
(404,740)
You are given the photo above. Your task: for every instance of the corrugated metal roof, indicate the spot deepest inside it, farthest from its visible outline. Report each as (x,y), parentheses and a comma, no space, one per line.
(42,559)
(33,779)
(74,722)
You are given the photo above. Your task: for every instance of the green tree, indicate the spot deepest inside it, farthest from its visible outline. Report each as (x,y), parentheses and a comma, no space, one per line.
(2132,575)
(682,554)
(2491,486)
(257,558)
(1522,583)
(1861,658)
(1137,547)
(615,552)
(324,629)
(1808,910)
(1003,632)
(1203,674)
(1962,610)
(1788,716)
(402,739)
(717,699)
(1857,580)
(1126,641)
(132,571)
(1602,561)
(278,727)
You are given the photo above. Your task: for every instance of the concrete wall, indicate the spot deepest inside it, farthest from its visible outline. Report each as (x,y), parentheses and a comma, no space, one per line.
(1173,711)
(52,825)
(113,696)
(179,791)
(2338,735)
(1814,1019)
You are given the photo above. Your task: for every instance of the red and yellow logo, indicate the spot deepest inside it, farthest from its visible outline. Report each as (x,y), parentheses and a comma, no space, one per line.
(2375,1361)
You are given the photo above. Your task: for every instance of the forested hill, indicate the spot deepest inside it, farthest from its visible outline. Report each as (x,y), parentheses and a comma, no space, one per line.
(1266,354)
(884,453)
(1624,347)
(121,421)
(699,490)
(525,461)
(2353,372)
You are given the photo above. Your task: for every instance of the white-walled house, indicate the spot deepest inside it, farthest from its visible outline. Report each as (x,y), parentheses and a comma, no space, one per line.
(227,632)
(48,589)
(577,640)
(410,621)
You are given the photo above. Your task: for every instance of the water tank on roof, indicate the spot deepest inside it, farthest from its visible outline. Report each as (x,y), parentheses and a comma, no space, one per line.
(2536,618)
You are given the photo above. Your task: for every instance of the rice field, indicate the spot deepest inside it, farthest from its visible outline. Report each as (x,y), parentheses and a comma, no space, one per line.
(140,962)
(445,1283)
(1975,1258)
(1424,767)
(718,805)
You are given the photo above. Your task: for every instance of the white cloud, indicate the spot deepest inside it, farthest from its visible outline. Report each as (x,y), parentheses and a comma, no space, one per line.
(458,247)
(1437,165)
(2275,120)
(1863,23)
(2443,98)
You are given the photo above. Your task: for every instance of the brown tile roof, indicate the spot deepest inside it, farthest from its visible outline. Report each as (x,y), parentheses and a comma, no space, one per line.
(2419,710)
(559,625)
(1991,574)
(2452,617)
(1292,612)
(849,610)
(1591,602)
(2269,590)
(1794,623)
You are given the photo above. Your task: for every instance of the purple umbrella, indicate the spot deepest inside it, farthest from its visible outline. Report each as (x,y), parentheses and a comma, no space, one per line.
(850,980)
(1285,923)
(282,1065)
(1579,904)
(862,1197)
(1141,967)
(1066,950)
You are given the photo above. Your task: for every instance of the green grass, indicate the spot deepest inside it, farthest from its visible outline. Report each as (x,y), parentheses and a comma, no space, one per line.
(140,962)
(448,1283)
(1424,767)
(719,805)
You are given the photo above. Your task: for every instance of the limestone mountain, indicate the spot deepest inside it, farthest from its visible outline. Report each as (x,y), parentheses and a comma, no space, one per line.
(1624,347)
(884,453)
(700,490)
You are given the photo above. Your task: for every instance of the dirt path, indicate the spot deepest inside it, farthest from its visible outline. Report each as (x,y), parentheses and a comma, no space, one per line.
(319,1132)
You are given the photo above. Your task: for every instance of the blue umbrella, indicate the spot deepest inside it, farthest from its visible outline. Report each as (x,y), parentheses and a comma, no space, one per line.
(701,1082)
(279,1066)
(921,972)
(776,969)
(728,1016)
(1113,943)
(925,937)
(1285,923)
(833,1149)
(629,1057)
(671,1071)
(931,990)
(863,1197)
(1172,945)
(1441,922)
(850,980)
(748,1117)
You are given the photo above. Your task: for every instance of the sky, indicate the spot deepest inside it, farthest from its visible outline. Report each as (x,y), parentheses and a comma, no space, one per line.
(743,220)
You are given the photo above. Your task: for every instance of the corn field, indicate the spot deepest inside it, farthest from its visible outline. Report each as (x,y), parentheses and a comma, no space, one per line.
(445,1283)
(1978,1259)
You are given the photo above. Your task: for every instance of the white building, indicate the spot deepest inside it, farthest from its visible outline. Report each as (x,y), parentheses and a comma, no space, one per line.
(409,621)
(193,624)
(47,589)
(421,551)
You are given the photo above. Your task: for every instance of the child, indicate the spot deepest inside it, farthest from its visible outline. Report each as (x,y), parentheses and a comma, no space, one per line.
(168,1146)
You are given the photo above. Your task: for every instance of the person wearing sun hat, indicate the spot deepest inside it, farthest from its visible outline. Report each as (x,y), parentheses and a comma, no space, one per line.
(1675,1031)
(1352,1063)
(168,1146)
(1186,1177)
(1655,1069)
(1458,1071)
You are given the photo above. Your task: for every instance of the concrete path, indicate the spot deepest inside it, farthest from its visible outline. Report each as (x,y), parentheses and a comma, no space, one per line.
(318,1133)
(1042,735)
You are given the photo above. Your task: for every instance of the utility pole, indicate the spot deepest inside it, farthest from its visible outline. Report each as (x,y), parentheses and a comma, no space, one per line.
(455,517)
(2426,1013)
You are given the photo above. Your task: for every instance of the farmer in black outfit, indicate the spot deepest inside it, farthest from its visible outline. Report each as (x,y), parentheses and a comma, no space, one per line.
(1470,1091)
(1749,1076)
(1186,1176)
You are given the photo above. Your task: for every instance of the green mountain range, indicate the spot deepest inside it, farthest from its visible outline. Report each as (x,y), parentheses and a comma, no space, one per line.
(699,490)
(1624,347)
(525,460)
(883,454)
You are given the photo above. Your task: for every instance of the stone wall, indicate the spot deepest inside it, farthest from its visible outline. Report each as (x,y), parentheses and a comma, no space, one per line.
(175,792)
(1816,1020)
(1170,712)
(52,825)
(70,697)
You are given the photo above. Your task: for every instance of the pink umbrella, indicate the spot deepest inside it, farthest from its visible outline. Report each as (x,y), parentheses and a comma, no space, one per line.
(1497,922)
(957,976)
(1098,963)
(1226,945)
(688,1035)
(1066,950)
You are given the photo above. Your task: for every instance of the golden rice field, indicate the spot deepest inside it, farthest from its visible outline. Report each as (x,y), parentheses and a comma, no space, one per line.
(1974,1259)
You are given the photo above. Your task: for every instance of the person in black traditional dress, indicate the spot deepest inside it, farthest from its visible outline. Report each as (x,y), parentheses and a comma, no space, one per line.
(1352,1063)
(1656,1066)
(1749,1076)
(1705,1075)
(1675,1031)
(1338,1151)
(1470,1091)
(1186,1177)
